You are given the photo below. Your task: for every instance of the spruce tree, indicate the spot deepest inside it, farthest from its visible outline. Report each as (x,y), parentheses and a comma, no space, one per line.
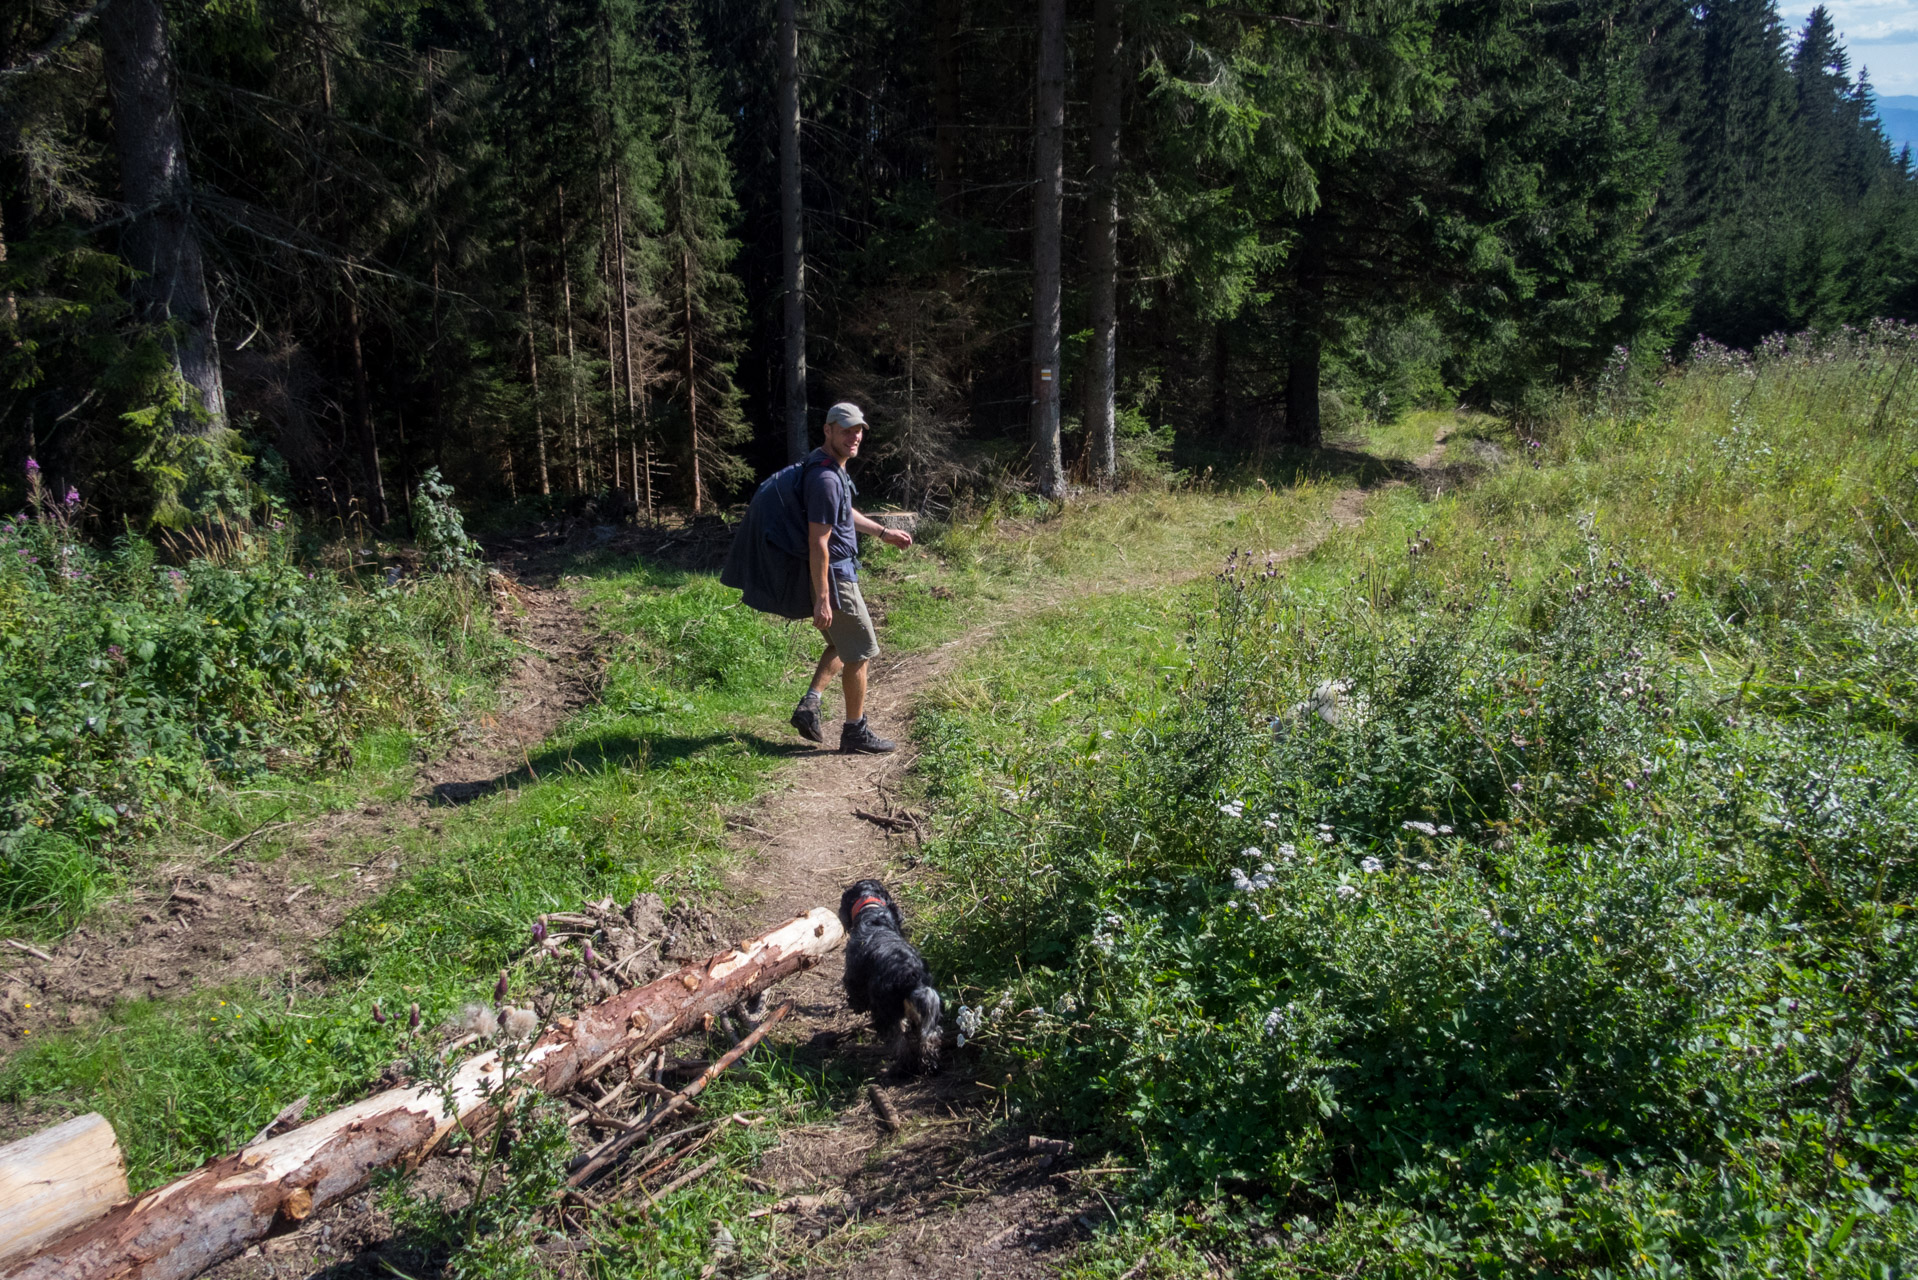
(701,300)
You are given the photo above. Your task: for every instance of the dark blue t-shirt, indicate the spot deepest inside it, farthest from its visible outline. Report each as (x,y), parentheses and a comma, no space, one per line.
(828,493)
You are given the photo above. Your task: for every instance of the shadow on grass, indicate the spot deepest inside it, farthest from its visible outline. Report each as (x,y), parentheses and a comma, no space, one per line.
(639,752)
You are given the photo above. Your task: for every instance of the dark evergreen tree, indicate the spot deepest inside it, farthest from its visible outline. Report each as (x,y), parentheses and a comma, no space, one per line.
(701,298)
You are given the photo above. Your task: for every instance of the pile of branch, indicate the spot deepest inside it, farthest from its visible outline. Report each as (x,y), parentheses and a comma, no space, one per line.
(215,1212)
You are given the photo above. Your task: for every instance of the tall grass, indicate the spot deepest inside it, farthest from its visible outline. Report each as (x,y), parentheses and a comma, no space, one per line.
(1522,885)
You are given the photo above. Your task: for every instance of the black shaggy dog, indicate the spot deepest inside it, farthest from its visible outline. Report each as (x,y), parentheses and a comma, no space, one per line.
(886,977)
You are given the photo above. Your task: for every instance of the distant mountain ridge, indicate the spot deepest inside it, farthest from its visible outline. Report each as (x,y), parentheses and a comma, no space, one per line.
(1899,112)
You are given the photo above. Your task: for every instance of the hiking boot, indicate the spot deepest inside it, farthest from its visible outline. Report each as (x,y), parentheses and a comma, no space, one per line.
(856,739)
(806,720)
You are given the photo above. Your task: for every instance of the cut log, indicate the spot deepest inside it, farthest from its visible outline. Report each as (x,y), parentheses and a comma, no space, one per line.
(215,1212)
(55,1180)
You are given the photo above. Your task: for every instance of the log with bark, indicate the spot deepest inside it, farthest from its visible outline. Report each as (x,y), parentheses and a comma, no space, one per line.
(215,1212)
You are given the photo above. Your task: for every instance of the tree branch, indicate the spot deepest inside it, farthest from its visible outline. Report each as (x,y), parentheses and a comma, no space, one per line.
(61,39)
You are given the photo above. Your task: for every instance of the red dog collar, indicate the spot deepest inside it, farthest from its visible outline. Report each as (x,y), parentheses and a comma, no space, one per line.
(862,904)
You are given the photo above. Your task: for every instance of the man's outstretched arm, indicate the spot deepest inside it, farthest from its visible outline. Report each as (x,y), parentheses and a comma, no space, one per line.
(872,528)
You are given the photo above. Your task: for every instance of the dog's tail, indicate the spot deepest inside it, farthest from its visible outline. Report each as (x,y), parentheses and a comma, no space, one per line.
(922,1026)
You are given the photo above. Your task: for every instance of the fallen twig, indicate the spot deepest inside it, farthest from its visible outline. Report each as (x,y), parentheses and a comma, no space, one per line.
(613,1122)
(888,821)
(882,1107)
(268,825)
(680,1099)
(18,945)
(685,1178)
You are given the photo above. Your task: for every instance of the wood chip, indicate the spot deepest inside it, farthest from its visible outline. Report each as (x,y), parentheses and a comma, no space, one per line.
(289,1115)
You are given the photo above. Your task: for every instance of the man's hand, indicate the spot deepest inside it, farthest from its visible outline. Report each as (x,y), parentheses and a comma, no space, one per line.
(895,538)
(822,616)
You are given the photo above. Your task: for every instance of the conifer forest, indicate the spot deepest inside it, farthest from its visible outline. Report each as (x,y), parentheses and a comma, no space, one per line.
(614,247)
(1388,744)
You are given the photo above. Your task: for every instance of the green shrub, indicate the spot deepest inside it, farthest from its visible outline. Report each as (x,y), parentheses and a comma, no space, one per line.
(1498,897)
(129,685)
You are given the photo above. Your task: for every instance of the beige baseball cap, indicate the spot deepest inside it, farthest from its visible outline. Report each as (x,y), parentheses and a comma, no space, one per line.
(845,414)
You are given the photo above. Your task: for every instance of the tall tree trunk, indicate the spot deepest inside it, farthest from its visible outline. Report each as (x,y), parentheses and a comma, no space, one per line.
(945,104)
(368,443)
(1302,390)
(1221,378)
(565,266)
(641,431)
(436,379)
(532,367)
(1302,429)
(364,442)
(792,230)
(692,384)
(160,242)
(612,361)
(1049,157)
(1102,245)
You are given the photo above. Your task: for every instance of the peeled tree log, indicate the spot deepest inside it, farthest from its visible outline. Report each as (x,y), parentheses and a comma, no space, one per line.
(218,1210)
(56,1179)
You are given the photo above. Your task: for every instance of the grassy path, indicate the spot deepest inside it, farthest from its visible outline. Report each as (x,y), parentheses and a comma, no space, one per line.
(655,774)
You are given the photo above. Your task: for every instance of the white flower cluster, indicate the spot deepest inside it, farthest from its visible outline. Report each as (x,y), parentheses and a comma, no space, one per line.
(1348,890)
(969,1021)
(1371,866)
(1261,879)
(1276,1020)
(1325,833)
(1233,808)
(1107,933)
(1426,828)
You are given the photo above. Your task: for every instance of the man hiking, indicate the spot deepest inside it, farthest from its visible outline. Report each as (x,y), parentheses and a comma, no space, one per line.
(832,563)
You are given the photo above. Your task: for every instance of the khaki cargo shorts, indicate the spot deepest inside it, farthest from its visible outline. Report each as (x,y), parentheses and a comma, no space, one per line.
(851,633)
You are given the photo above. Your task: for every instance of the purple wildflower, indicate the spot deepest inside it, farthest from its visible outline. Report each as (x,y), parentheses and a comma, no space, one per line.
(499,988)
(33,468)
(73,496)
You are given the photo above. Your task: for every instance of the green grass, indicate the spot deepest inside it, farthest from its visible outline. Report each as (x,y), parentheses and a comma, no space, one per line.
(1632,995)
(629,796)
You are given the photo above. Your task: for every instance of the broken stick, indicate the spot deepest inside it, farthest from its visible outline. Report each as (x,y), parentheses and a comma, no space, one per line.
(678,1100)
(181,1229)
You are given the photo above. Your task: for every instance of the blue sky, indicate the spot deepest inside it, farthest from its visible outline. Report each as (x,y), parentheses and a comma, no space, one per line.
(1880,35)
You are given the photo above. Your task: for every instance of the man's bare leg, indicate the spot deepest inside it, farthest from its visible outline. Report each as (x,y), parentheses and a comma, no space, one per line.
(806,715)
(829,665)
(853,685)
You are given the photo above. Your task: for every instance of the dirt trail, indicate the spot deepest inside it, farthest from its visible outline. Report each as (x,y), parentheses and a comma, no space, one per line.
(954,1210)
(220,916)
